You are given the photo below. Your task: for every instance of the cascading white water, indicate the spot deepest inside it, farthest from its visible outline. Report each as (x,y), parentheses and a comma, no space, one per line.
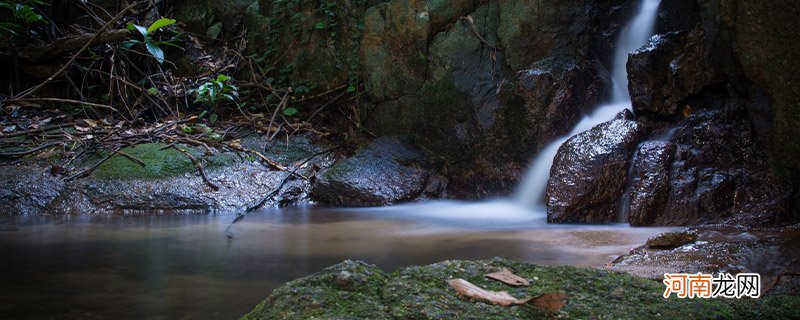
(634,35)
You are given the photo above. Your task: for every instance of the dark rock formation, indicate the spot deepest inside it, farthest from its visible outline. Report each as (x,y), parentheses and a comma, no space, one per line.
(711,171)
(589,173)
(382,173)
(651,181)
(669,69)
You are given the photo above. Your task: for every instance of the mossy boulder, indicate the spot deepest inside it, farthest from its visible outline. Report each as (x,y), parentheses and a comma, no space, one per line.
(423,293)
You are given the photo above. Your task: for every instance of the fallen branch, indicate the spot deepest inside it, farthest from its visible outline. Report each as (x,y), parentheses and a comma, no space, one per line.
(198,165)
(89,170)
(27,152)
(70,101)
(66,45)
(240,216)
(32,131)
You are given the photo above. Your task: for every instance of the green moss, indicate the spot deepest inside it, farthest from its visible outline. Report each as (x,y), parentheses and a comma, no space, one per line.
(422,293)
(338,170)
(159,164)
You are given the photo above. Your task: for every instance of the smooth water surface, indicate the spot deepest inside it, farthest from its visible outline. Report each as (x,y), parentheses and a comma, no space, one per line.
(187,267)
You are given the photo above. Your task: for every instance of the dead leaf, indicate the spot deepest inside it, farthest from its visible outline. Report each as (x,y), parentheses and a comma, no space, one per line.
(509,278)
(468,289)
(91,123)
(550,301)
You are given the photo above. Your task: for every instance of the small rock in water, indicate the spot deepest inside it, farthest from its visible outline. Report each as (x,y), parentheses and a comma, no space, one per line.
(671,240)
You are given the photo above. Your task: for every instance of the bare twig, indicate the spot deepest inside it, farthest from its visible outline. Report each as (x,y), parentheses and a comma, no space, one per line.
(198,165)
(69,63)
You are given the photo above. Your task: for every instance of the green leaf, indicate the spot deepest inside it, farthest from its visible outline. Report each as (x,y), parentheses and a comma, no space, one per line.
(223,78)
(290,111)
(141,29)
(130,43)
(213,118)
(351,88)
(153,91)
(156,52)
(160,23)
(319,25)
(202,114)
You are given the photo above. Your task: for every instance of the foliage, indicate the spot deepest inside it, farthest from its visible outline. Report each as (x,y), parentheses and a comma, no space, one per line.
(153,46)
(294,30)
(216,91)
(23,16)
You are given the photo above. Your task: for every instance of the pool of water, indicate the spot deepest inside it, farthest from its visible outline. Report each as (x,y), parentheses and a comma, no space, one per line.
(201,267)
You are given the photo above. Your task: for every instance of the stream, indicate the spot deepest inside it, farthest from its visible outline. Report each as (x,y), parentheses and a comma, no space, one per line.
(188,267)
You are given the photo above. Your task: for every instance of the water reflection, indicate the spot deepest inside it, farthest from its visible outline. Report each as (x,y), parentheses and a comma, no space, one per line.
(186,267)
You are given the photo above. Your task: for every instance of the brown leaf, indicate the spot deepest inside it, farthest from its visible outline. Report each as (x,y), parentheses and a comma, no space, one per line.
(550,301)
(91,123)
(509,278)
(468,289)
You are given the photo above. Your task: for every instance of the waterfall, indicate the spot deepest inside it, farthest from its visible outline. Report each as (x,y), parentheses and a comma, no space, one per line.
(531,192)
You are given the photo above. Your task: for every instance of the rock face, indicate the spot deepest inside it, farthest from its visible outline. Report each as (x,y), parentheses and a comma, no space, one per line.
(379,174)
(710,171)
(651,181)
(487,81)
(589,173)
(669,69)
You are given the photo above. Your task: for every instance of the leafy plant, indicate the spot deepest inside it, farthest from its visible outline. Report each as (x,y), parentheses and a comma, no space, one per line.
(216,91)
(152,45)
(23,15)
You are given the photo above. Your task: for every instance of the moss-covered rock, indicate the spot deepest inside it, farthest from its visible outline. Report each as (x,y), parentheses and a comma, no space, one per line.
(394,48)
(159,161)
(422,293)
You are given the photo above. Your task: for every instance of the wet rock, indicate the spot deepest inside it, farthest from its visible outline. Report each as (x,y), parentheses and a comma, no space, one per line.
(382,173)
(671,240)
(711,171)
(651,181)
(557,93)
(589,173)
(167,184)
(26,190)
(668,69)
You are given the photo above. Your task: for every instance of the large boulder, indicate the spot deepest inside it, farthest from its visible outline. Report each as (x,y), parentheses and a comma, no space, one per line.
(589,173)
(711,171)
(382,173)
(668,69)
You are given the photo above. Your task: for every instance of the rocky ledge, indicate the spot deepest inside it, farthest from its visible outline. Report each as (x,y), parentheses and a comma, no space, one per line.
(153,178)
(356,290)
